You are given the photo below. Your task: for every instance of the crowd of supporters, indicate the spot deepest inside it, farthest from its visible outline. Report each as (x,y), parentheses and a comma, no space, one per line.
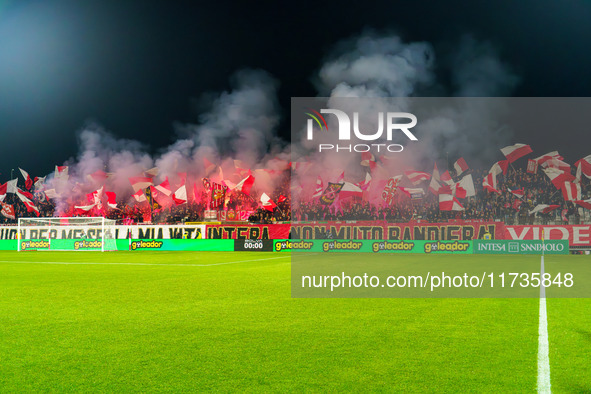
(484,206)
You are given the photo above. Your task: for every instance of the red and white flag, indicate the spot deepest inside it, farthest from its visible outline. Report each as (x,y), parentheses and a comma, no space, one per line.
(111,200)
(28,180)
(61,172)
(460,166)
(514,152)
(319,187)
(341,178)
(3,191)
(446,178)
(558,177)
(571,191)
(8,211)
(584,203)
(417,177)
(83,209)
(140,182)
(490,183)
(368,160)
(544,208)
(180,195)
(139,196)
(365,184)
(434,185)
(519,193)
(548,156)
(447,202)
(267,203)
(152,172)
(465,187)
(500,167)
(412,192)
(350,190)
(281,198)
(584,166)
(164,188)
(390,189)
(556,163)
(245,185)
(39,183)
(25,198)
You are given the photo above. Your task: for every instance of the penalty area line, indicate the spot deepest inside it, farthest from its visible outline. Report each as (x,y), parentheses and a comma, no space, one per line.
(141,264)
(543,345)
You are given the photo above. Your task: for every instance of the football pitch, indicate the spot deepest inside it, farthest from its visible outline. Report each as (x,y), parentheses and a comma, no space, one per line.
(225,321)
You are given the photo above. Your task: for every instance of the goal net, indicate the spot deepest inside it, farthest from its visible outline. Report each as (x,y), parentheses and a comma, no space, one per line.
(71,234)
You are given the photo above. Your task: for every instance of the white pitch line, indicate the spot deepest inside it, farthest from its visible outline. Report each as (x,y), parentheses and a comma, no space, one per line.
(149,264)
(543,345)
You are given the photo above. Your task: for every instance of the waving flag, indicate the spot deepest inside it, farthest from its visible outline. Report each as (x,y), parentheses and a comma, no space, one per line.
(111,200)
(548,156)
(28,180)
(3,191)
(319,187)
(24,197)
(267,203)
(365,184)
(413,193)
(490,183)
(556,163)
(341,177)
(500,167)
(140,182)
(61,172)
(584,203)
(465,187)
(350,190)
(368,160)
(281,198)
(519,193)
(245,185)
(544,208)
(448,202)
(139,196)
(83,209)
(434,185)
(446,178)
(514,152)
(417,177)
(164,187)
(584,166)
(460,166)
(571,191)
(558,177)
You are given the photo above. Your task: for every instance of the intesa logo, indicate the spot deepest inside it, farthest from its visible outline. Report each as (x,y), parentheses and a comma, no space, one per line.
(389,123)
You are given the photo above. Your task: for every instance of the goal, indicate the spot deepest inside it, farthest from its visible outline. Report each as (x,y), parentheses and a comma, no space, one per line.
(68,234)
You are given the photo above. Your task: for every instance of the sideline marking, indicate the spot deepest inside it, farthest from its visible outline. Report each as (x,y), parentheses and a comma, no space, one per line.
(543,346)
(149,264)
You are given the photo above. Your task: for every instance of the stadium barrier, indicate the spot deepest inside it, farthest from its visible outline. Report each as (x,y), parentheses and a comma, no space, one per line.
(426,247)
(375,246)
(249,231)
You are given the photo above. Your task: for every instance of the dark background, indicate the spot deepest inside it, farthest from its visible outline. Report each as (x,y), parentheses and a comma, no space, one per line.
(137,67)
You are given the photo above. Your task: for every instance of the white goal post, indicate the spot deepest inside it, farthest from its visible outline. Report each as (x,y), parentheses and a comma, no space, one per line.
(66,234)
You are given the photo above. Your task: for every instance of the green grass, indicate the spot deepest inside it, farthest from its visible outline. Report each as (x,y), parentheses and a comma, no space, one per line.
(125,327)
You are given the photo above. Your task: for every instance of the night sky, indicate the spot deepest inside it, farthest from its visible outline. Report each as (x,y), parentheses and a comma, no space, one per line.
(140,67)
